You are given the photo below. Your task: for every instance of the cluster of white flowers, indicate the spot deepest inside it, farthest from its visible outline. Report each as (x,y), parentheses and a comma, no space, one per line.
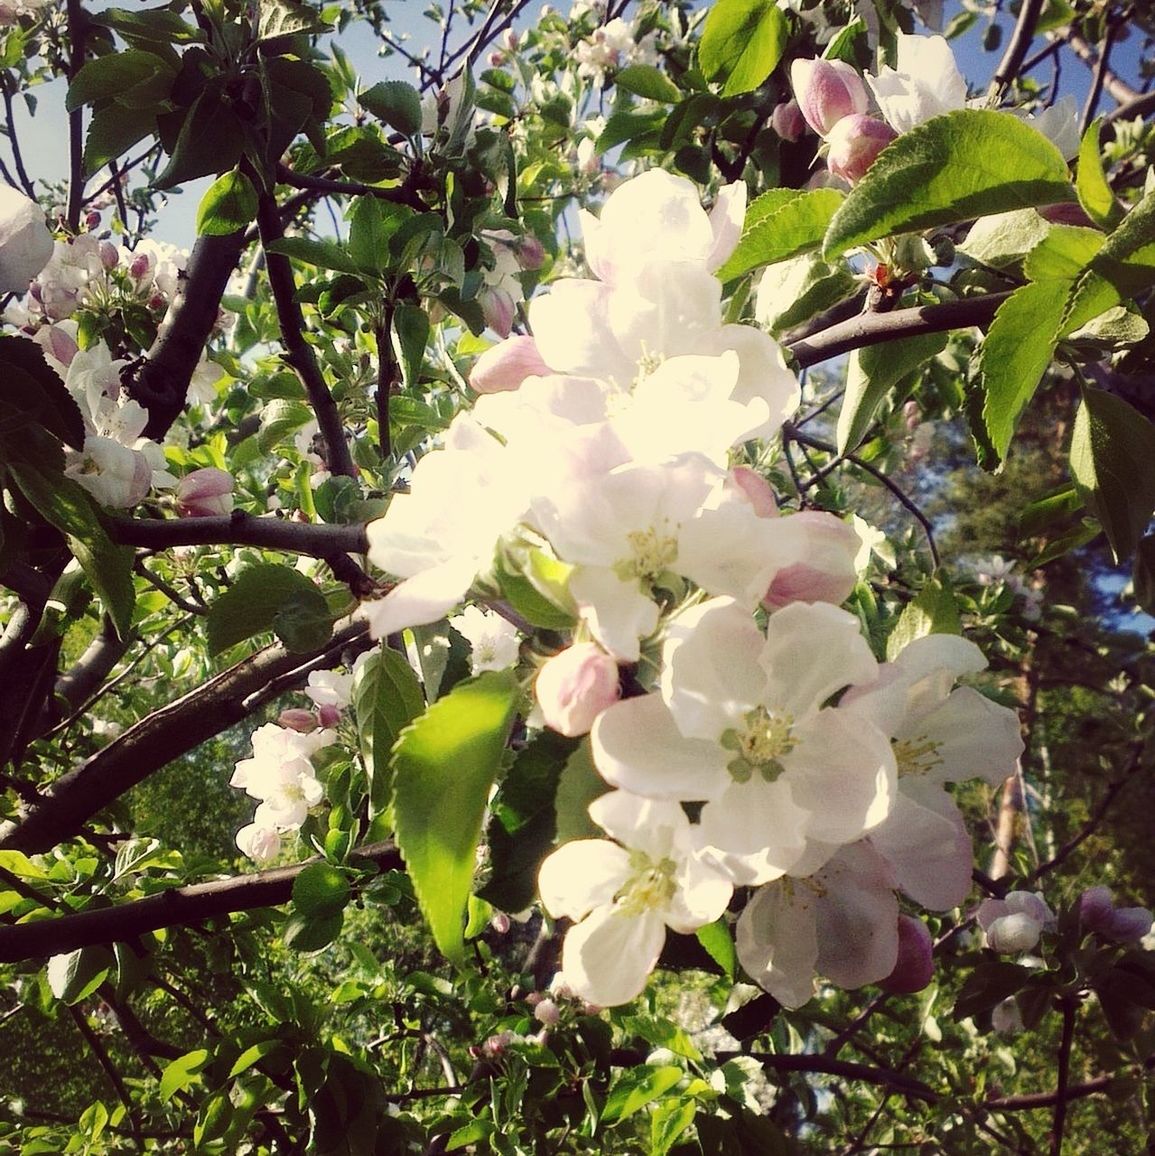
(611,46)
(280,775)
(599,466)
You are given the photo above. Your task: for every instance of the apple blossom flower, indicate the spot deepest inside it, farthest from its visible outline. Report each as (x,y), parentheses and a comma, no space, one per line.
(610,46)
(940,734)
(494,643)
(854,144)
(1098,913)
(575,686)
(625,894)
(1013,924)
(205,493)
(296,718)
(827,91)
(259,842)
(330,688)
(506,365)
(26,245)
(742,723)
(926,83)
(826,571)
(280,774)
(1007,1016)
(842,923)
(787,120)
(914,968)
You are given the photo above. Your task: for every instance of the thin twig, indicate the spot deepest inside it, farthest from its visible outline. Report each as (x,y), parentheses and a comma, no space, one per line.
(1017,48)
(1069,1009)
(105,1061)
(1097,80)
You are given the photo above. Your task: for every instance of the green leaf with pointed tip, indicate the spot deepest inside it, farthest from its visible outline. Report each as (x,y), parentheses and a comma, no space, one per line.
(718,942)
(108,77)
(270,597)
(112,131)
(30,386)
(396,104)
(386,698)
(1123,268)
(1062,254)
(874,371)
(742,42)
(286,18)
(934,611)
(211,140)
(324,254)
(229,204)
(69,507)
(444,765)
(968,163)
(1095,194)
(1113,464)
(777,228)
(648,81)
(321,890)
(578,786)
(409,337)
(1016,353)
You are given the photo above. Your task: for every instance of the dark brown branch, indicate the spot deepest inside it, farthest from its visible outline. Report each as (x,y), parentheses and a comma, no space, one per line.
(1066,1040)
(92,667)
(396,194)
(298,352)
(162,384)
(1097,81)
(1017,46)
(1137,106)
(239,529)
(105,1061)
(180,906)
(156,740)
(827,1065)
(1033,1100)
(77,36)
(875,328)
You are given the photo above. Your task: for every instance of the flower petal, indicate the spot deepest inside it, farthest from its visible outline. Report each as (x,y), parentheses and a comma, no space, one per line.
(607,957)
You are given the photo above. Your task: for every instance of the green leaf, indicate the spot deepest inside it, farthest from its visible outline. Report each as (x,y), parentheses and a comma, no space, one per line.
(211,140)
(444,765)
(668,1122)
(270,597)
(182,1072)
(578,786)
(718,941)
(386,698)
(324,254)
(77,974)
(522,821)
(279,419)
(791,292)
(286,18)
(395,103)
(409,336)
(989,984)
(1063,253)
(742,42)
(1123,267)
(874,371)
(636,1087)
(113,131)
(29,385)
(312,932)
(1005,238)
(68,506)
(1113,464)
(1014,356)
(109,77)
(648,81)
(779,227)
(934,611)
(1095,194)
(372,223)
(229,204)
(968,163)
(320,890)
(253,1055)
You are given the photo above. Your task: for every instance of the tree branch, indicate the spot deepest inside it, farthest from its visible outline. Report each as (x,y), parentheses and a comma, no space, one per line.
(298,352)
(396,194)
(158,739)
(239,529)
(1017,47)
(1119,89)
(162,384)
(875,328)
(180,906)
(1140,106)
(827,1065)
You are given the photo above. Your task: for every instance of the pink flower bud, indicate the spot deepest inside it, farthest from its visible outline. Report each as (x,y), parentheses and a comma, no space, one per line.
(506,365)
(1097,912)
(58,343)
(828,573)
(139,266)
(575,686)
(855,142)
(787,120)
(1096,907)
(296,718)
(530,253)
(499,309)
(109,257)
(827,91)
(500,922)
(328,714)
(205,493)
(911,416)
(755,489)
(495,59)
(915,966)
(92,220)
(546,1013)
(511,39)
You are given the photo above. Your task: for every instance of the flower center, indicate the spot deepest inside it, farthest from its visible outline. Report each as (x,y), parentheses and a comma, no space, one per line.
(651,884)
(654,551)
(916,756)
(767,736)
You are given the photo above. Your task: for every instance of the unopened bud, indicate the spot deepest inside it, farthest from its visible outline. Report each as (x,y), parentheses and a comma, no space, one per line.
(499,310)
(1097,912)
(546,1013)
(827,91)
(328,715)
(506,366)
(755,489)
(828,573)
(92,220)
(855,142)
(296,718)
(205,493)
(915,966)
(787,120)
(139,266)
(109,256)
(495,59)
(575,686)
(530,253)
